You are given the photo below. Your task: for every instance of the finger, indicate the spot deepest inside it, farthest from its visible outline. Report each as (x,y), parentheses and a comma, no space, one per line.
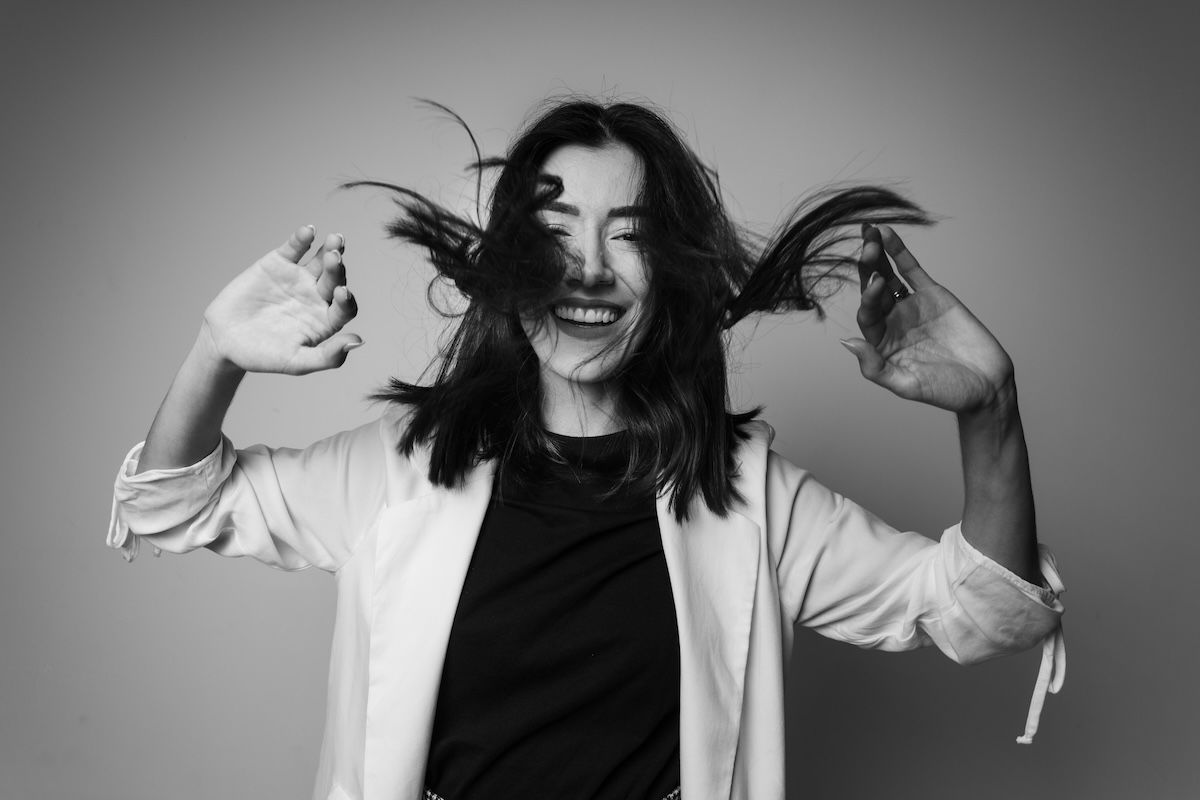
(872,259)
(333,274)
(876,303)
(333,242)
(296,246)
(343,308)
(877,370)
(329,354)
(909,268)
(870,363)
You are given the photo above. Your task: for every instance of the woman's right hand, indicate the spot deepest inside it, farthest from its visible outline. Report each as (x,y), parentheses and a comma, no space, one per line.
(283,314)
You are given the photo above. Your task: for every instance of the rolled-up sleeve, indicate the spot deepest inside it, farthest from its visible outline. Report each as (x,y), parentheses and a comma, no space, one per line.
(996,604)
(289,508)
(852,577)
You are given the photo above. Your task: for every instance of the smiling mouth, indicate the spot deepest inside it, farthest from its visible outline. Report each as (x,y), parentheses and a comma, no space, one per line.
(591,316)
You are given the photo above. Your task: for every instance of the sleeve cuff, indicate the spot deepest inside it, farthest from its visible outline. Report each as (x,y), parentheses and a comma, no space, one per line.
(1053,669)
(159,498)
(130,476)
(1046,594)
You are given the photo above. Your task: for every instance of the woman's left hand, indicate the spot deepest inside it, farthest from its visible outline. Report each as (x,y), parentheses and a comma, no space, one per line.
(926,346)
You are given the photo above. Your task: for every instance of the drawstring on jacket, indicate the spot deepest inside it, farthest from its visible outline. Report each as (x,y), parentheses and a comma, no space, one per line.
(1054,654)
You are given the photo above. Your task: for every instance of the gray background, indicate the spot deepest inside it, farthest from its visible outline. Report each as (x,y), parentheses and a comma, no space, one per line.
(150,153)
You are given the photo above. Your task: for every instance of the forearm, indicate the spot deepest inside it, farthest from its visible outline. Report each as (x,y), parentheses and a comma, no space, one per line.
(188,424)
(998,513)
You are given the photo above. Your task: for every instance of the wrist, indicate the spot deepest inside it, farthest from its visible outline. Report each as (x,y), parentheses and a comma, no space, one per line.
(992,437)
(207,362)
(1000,408)
(207,358)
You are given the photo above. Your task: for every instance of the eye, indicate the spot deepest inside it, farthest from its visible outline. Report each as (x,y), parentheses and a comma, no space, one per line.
(628,236)
(558,230)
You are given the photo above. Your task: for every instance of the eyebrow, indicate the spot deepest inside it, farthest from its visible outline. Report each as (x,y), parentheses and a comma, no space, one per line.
(619,211)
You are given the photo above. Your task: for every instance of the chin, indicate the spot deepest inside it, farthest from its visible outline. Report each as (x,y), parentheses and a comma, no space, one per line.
(585,371)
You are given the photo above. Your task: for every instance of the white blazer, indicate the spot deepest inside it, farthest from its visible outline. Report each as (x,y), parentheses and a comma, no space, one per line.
(791,552)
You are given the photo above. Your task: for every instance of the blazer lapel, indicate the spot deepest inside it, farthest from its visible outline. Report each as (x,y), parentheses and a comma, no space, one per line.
(713,563)
(424,549)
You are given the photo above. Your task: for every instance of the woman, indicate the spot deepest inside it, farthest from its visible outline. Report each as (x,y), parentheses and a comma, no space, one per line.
(565,568)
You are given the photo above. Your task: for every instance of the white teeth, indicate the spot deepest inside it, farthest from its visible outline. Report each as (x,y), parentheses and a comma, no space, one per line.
(587,316)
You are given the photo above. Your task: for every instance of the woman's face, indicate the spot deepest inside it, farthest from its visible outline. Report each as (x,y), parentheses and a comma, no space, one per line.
(592,324)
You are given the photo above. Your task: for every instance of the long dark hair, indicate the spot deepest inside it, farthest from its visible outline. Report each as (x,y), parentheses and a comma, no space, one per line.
(706,274)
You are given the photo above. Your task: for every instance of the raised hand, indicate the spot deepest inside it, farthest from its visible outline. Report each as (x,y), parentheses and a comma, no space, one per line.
(280,315)
(924,345)
(284,314)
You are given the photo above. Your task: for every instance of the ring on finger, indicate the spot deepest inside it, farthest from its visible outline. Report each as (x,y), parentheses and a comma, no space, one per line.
(900,293)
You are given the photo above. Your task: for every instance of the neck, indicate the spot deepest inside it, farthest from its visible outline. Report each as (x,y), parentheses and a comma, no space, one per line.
(579,409)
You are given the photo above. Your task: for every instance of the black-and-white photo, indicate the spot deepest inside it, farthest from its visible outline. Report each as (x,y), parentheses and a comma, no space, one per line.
(475,400)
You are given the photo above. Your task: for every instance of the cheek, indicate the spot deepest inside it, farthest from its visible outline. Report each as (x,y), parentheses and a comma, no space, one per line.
(640,289)
(632,268)
(642,279)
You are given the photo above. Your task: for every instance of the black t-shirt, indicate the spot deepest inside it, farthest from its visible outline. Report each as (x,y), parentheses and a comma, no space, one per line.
(562,671)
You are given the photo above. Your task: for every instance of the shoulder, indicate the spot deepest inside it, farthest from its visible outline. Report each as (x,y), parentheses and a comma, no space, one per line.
(755,435)
(408,472)
(393,423)
(757,462)
(754,459)
(366,460)
(765,478)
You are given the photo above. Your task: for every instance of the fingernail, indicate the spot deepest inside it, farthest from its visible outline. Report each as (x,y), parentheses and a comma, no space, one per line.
(348,347)
(846,344)
(312,228)
(341,243)
(875,276)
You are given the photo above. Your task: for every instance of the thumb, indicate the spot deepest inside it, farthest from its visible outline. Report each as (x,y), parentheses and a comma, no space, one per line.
(870,363)
(329,354)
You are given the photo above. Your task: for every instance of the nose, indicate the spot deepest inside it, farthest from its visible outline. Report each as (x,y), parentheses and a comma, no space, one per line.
(590,266)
